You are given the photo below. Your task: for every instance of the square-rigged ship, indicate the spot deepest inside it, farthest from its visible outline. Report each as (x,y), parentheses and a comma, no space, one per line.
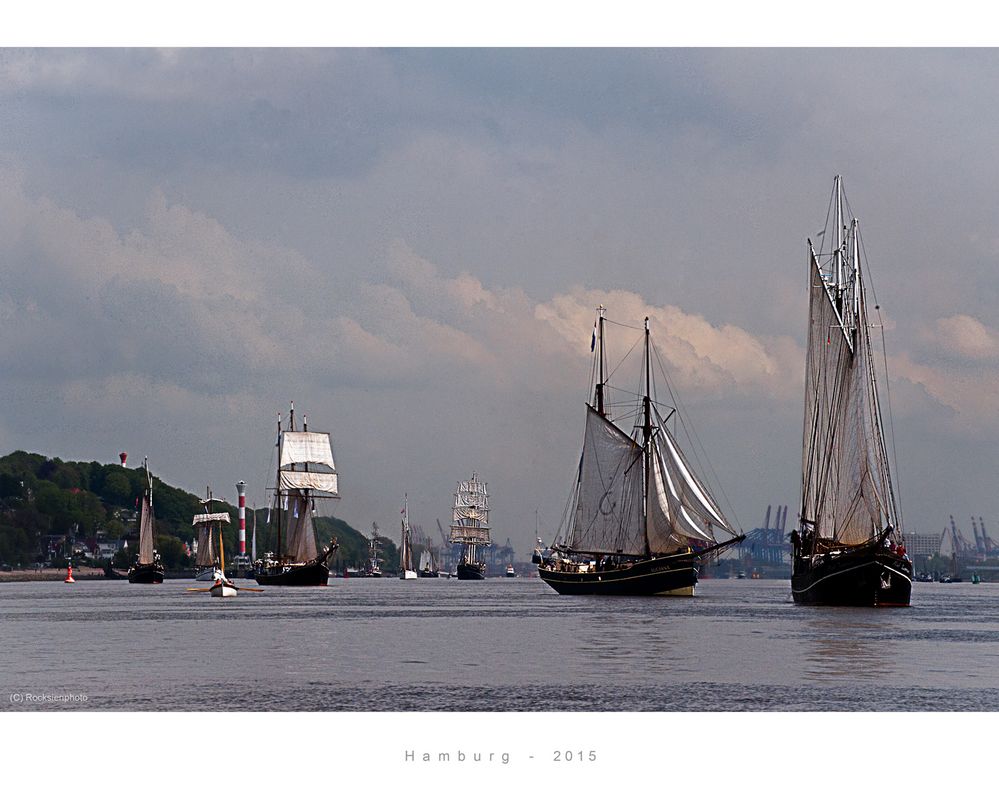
(306,473)
(639,519)
(848,547)
(470,518)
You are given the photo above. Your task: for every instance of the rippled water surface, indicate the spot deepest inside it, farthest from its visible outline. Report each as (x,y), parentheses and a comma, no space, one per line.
(502,644)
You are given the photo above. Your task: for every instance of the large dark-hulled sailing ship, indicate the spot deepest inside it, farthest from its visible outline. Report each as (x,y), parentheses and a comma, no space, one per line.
(147,567)
(639,520)
(306,473)
(848,548)
(470,517)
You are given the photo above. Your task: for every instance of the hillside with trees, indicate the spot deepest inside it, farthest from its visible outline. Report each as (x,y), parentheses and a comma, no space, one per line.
(52,509)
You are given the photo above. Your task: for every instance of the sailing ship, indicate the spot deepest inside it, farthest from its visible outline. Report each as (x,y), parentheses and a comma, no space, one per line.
(374,567)
(848,548)
(639,520)
(470,518)
(406,571)
(147,567)
(429,568)
(306,473)
(206,561)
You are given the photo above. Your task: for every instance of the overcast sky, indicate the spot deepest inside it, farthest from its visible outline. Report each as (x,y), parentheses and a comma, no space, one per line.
(410,244)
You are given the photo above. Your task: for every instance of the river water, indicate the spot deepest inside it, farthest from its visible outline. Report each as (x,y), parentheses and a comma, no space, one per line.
(498,645)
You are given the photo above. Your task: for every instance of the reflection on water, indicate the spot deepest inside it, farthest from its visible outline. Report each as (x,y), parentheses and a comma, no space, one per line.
(849,644)
(498,645)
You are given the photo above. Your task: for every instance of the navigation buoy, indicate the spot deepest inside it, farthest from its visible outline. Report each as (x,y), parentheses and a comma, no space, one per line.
(69,574)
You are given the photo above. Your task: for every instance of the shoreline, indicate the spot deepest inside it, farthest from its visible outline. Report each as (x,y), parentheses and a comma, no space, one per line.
(50,574)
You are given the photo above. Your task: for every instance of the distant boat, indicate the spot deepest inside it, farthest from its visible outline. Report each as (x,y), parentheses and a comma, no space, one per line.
(373,568)
(510,571)
(470,518)
(639,519)
(406,571)
(306,473)
(848,548)
(428,562)
(206,559)
(147,567)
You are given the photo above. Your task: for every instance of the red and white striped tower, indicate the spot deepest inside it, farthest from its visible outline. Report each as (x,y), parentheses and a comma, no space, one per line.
(241,490)
(123,456)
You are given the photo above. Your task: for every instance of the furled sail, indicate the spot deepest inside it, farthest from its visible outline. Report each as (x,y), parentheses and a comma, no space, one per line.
(846,486)
(313,448)
(146,532)
(301,538)
(608,515)
(681,511)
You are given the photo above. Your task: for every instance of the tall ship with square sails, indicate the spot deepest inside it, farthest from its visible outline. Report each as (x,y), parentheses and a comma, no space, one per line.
(470,526)
(306,474)
(639,519)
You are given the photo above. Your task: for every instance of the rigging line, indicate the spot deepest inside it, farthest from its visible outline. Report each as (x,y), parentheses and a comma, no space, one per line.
(620,324)
(869,282)
(621,361)
(692,435)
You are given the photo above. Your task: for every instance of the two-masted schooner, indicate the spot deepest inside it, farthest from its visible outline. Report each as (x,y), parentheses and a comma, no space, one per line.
(470,526)
(147,567)
(306,473)
(207,558)
(639,519)
(848,547)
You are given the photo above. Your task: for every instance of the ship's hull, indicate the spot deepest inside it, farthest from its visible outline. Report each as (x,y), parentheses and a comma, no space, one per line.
(204,573)
(407,575)
(222,590)
(314,573)
(429,574)
(471,572)
(663,575)
(864,576)
(145,573)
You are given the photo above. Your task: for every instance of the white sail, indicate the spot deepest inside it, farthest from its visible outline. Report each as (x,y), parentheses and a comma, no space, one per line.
(682,511)
(608,516)
(315,481)
(847,495)
(146,532)
(310,447)
(470,513)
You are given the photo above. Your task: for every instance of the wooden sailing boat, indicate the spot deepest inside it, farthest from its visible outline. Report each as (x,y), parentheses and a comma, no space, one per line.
(470,517)
(848,548)
(306,473)
(639,519)
(147,567)
(406,571)
(222,587)
(206,560)
(429,567)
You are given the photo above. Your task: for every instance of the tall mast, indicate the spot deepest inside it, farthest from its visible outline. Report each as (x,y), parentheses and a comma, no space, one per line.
(278,492)
(647,445)
(599,395)
(838,242)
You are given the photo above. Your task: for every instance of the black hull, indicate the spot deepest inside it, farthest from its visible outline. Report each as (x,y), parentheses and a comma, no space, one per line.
(146,573)
(315,573)
(429,574)
(864,576)
(663,575)
(471,572)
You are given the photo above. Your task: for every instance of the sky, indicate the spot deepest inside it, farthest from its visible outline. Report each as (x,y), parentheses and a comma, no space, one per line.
(410,244)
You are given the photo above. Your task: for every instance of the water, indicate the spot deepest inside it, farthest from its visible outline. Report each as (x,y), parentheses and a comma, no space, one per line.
(498,645)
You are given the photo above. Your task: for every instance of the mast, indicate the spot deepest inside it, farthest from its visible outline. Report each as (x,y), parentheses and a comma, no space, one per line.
(838,223)
(278,492)
(598,397)
(647,442)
